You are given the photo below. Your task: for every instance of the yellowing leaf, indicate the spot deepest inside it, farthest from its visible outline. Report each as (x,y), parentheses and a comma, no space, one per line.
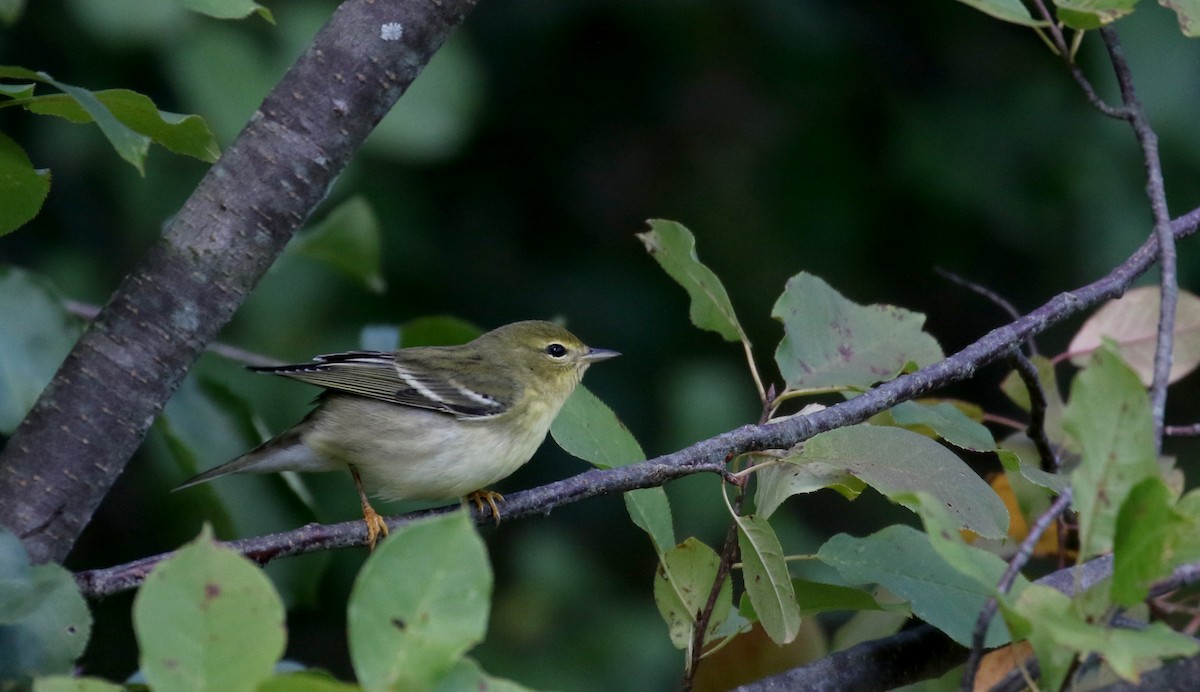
(1132,322)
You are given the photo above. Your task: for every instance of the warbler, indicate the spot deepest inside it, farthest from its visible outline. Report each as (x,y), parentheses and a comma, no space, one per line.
(427,423)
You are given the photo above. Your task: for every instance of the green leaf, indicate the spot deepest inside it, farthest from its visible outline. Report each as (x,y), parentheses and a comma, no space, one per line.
(63,683)
(682,584)
(1092,14)
(436,118)
(1014,388)
(37,335)
(588,429)
(902,559)
(227,9)
(419,603)
(129,144)
(831,342)
(1109,418)
(305,681)
(467,675)
(349,240)
(44,621)
(777,483)
(1007,10)
(1012,458)
(815,597)
(23,187)
(1131,323)
(1153,537)
(182,134)
(1057,628)
(1189,15)
(898,462)
(674,247)
(436,330)
(947,421)
(208,618)
(765,575)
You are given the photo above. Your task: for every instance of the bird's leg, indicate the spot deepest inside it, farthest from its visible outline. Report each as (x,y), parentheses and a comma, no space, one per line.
(375,523)
(479,497)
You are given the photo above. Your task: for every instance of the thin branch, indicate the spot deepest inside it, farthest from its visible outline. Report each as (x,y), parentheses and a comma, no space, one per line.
(999,300)
(729,555)
(1182,430)
(979,634)
(712,454)
(1037,410)
(1156,192)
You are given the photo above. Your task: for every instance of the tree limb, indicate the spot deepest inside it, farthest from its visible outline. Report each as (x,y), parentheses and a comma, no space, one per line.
(708,456)
(71,447)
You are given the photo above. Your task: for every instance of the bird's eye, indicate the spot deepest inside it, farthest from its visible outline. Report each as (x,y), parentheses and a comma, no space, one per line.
(556,350)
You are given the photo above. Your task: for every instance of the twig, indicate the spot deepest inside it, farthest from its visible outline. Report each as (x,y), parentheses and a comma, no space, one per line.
(1036,429)
(709,456)
(1182,430)
(982,290)
(1156,192)
(979,634)
(729,555)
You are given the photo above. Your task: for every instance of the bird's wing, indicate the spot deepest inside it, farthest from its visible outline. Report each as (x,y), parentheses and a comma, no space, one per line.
(419,382)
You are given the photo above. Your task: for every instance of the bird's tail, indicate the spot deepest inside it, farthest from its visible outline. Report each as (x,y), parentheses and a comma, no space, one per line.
(285,452)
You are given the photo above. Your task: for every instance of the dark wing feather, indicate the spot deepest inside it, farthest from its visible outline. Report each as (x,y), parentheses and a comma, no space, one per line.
(430,381)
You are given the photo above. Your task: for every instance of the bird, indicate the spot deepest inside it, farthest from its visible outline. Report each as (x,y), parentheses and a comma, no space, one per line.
(430,422)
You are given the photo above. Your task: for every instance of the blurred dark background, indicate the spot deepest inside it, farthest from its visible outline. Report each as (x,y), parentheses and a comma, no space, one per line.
(860,141)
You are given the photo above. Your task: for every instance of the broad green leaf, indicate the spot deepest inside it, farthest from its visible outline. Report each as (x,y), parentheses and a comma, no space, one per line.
(349,240)
(1109,418)
(1016,449)
(306,682)
(130,145)
(947,421)
(208,618)
(436,330)
(182,134)
(1007,10)
(420,602)
(765,575)
(1014,388)
(588,429)
(902,559)
(1153,537)
(23,187)
(63,683)
(832,342)
(1056,626)
(467,675)
(1092,14)
(815,597)
(1131,323)
(36,337)
(897,462)
(674,247)
(1188,12)
(682,584)
(227,9)
(775,484)
(44,621)
(439,113)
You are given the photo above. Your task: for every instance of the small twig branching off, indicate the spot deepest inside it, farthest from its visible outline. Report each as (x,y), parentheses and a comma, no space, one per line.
(1024,552)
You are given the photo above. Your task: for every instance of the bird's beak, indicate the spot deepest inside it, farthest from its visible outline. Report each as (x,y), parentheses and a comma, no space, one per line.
(597,354)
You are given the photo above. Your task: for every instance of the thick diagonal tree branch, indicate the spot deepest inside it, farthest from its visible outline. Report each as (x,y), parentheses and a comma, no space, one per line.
(69,450)
(711,455)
